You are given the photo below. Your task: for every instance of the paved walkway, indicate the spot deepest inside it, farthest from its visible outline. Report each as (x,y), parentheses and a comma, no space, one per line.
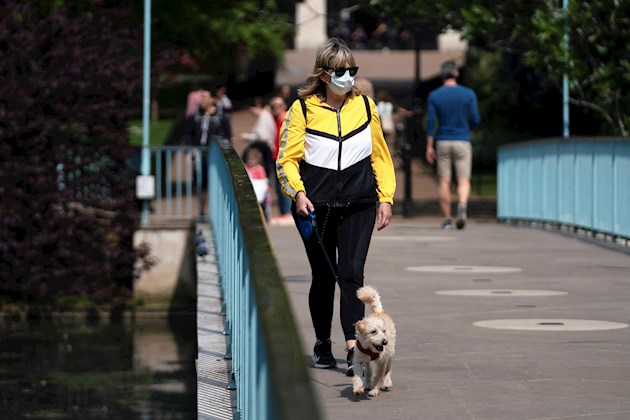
(448,291)
(438,284)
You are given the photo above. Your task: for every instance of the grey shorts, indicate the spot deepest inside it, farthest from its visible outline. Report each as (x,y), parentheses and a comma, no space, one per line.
(457,153)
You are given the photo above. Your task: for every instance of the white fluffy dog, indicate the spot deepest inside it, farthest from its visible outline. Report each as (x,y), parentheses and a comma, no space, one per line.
(374,351)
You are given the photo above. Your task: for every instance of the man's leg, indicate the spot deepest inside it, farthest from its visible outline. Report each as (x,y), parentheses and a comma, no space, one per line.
(444,163)
(444,195)
(463,171)
(463,189)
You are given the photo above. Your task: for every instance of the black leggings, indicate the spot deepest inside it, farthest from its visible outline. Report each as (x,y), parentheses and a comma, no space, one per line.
(345,231)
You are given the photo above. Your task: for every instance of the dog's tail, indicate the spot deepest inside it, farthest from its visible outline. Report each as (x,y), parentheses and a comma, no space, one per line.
(370,296)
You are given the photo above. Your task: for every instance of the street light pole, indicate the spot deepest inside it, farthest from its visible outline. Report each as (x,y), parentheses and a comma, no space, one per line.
(145,163)
(406,155)
(406,152)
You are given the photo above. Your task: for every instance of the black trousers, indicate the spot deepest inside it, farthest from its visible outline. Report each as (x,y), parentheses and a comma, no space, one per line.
(345,233)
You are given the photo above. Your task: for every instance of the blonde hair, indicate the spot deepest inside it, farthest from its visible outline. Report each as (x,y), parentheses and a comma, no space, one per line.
(332,53)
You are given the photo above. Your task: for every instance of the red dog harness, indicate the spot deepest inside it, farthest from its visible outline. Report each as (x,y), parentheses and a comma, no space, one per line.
(373,355)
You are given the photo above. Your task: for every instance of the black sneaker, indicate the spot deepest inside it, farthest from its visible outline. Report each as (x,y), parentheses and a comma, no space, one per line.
(447,224)
(322,355)
(462,215)
(349,370)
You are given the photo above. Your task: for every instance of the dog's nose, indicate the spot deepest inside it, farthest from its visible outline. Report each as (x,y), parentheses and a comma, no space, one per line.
(384,342)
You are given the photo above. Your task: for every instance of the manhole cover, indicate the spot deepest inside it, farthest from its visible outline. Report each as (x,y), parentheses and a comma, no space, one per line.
(463,269)
(550,324)
(500,292)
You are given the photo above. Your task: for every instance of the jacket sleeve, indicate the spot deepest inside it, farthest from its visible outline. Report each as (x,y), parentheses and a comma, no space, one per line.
(291,140)
(382,165)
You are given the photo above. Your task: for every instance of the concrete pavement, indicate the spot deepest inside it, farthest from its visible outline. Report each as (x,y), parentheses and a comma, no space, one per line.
(438,284)
(447,367)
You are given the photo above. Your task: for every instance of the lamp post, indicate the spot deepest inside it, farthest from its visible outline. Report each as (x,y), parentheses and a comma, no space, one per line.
(419,32)
(145,184)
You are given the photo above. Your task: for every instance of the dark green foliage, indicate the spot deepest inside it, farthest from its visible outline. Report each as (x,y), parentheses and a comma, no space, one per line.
(526,41)
(222,39)
(67,209)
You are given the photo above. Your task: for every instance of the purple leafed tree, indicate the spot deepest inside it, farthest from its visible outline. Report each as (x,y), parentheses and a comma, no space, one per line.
(69,84)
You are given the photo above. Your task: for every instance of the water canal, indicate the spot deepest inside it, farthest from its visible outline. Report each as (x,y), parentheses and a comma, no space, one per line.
(141,369)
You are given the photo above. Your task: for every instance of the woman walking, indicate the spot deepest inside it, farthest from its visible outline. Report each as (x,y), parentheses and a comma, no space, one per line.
(334,162)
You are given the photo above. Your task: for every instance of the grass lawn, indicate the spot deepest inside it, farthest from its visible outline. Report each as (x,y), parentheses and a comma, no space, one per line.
(484,184)
(158,131)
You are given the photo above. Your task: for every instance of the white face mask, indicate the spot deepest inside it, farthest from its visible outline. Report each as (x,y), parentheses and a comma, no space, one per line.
(341,85)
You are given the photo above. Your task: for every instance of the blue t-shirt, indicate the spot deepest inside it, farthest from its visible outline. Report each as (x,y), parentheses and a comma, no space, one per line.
(455,108)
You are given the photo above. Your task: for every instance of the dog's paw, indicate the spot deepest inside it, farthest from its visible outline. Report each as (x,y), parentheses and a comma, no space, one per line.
(387,383)
(357,385)
(374,392)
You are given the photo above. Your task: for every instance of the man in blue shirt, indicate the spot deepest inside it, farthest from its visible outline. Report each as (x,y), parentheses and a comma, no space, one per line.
(451,112)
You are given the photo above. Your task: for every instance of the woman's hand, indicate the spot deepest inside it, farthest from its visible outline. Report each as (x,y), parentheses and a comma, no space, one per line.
(384,215)
(303,204)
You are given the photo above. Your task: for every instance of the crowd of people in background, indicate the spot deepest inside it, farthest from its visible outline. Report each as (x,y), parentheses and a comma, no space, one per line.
(359,37)
(208,115)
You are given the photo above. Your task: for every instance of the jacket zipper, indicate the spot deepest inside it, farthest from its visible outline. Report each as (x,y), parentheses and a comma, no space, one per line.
(339,139)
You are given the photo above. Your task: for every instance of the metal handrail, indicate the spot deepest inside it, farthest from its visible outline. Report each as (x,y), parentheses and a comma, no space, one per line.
(179,182)
(580,183)
(268,363)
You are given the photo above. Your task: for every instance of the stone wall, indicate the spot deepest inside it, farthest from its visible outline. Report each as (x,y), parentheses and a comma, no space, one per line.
(173,279)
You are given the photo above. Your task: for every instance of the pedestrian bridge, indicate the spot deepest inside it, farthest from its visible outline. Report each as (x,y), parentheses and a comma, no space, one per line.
(497,321)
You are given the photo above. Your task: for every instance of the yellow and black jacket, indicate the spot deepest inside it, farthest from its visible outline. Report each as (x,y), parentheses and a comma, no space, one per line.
(336,157)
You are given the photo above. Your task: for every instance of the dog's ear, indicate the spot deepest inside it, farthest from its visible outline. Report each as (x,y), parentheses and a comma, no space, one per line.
(360,325)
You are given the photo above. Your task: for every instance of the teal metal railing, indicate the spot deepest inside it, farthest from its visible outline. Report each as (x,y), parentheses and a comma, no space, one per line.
(580,183)
(181,178)
(268,365)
